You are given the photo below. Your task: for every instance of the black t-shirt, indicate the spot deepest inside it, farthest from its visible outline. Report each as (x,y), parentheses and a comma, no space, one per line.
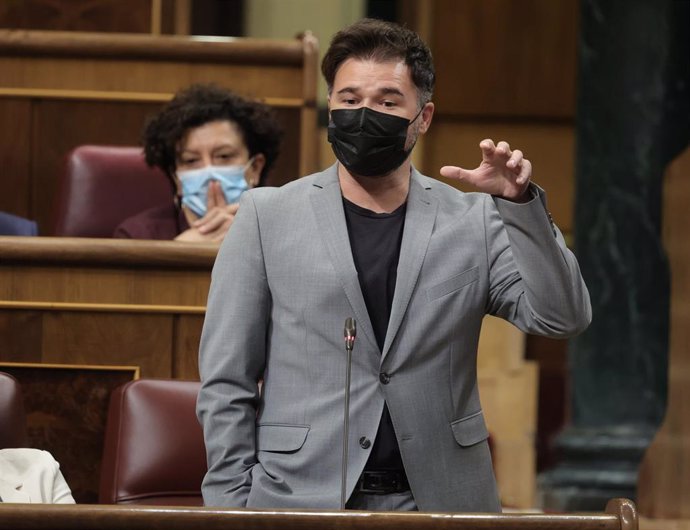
(375,240)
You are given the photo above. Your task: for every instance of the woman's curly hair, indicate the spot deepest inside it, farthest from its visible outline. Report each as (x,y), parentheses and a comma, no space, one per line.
(200,104)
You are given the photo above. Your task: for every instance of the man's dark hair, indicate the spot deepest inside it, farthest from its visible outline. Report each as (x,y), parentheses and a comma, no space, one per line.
(382,41)
(201,104)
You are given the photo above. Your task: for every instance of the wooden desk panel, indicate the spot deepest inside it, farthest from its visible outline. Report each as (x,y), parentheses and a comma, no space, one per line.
(104,302)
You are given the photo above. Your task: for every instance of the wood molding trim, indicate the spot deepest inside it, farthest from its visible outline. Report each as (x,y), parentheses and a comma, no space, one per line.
(144,97)
(104,308)
(151,47)
(111,252)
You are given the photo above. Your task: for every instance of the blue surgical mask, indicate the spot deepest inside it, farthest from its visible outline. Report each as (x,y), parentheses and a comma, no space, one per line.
(195,184)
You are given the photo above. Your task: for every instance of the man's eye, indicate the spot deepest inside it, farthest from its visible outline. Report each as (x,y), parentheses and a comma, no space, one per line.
(388,104)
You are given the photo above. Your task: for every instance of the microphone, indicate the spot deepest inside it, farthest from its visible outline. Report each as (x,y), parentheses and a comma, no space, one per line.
(350,332)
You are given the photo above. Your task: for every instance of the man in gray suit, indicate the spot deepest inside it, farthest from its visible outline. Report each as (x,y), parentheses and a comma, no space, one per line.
(416,263)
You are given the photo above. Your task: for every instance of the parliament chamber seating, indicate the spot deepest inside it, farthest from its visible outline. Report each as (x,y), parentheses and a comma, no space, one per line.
(101,186)
(12,417)
(154,450)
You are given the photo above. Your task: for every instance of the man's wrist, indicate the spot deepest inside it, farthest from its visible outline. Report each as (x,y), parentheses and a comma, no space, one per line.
(527,195)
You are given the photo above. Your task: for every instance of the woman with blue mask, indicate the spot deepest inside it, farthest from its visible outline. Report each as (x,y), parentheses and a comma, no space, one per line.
(213,145)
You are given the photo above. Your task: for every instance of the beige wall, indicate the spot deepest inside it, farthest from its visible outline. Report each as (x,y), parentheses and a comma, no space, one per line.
(278,19)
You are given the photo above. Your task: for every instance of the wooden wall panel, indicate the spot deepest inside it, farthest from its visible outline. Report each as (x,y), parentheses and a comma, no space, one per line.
(129,16)
(144,77)
(549,146)
(509,399)
(95,338)
(186,346)
(554,407)
(103,285)
(15,160)
(505,57)
(21,335)
(104,302)
(287,166)
(77,337)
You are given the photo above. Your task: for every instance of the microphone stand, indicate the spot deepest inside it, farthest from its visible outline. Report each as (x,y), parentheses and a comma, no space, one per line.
(350,333)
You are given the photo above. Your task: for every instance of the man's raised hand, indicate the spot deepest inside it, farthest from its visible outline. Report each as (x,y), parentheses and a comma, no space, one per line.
(502,172)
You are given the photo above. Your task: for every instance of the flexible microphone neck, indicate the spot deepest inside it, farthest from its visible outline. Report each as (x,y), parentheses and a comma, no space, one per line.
(350,332)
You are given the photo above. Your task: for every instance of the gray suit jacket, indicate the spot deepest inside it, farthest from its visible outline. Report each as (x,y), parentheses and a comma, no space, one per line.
(283,284)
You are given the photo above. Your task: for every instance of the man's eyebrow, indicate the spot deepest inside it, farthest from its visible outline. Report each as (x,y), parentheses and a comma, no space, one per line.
(347,90)
(391,90)
(382,91)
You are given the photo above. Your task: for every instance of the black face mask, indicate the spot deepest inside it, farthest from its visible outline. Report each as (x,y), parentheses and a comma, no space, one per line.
(367,142)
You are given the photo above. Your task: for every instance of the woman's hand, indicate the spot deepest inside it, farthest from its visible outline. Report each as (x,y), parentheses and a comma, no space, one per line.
(215,224)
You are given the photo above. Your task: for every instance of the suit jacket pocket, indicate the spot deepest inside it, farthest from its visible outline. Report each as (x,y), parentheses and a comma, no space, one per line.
(453,284)
(280,437)
(470,430)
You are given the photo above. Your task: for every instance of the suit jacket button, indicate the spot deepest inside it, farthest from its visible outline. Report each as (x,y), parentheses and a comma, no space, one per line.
(384,378)
(364,442)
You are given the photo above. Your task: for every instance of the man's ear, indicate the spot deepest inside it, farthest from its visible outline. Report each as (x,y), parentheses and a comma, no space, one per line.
(426,116)
(253,173)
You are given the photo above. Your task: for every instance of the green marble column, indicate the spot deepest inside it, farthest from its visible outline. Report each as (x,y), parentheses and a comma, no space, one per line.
(633,117)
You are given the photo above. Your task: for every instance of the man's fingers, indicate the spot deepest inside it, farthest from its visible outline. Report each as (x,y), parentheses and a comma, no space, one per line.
(515,160)
(454,172)
(503,149)
(488,148)
(525,172)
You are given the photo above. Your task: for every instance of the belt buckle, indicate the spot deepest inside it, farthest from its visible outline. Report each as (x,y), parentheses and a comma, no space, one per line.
(379,482)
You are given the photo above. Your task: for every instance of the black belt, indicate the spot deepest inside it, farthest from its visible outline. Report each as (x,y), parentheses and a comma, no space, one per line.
(382,482)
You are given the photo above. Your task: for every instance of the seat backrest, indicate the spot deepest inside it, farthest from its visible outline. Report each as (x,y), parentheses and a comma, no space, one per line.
(154,448)
(101,186)
(12,416)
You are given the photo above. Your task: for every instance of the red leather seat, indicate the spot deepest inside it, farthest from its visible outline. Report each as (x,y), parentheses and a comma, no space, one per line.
(154,448)
(12,416)
(102,186)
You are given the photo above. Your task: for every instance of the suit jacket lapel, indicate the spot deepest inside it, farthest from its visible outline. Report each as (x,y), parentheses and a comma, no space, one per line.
(327,203)
(419,224)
